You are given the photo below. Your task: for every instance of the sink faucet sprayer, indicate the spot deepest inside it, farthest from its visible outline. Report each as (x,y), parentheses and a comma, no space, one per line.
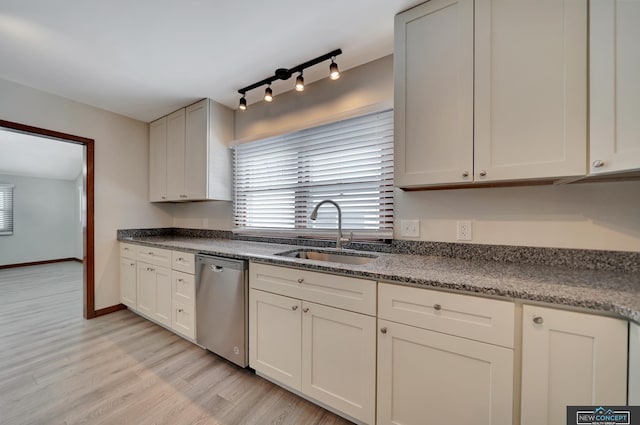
(340,240)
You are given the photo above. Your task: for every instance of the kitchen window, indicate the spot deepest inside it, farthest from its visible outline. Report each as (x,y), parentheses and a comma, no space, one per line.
(6,209)
(278,181)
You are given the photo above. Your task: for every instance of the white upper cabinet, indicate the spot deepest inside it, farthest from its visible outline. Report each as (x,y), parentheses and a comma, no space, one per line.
(491,91)
(530,89)
(434,93)
(158,160)
(194,161)
(614,86)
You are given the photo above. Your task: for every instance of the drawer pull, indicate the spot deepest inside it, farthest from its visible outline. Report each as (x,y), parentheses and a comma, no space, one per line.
(598,163)
(538,320)
(483,173)
(150,253)
(301,280)
(437,307)
(180,259)
(180,280)
(132,264)
(149,269)
(383,330)
(465,174)
(294,308)
(306,309)
(180,310)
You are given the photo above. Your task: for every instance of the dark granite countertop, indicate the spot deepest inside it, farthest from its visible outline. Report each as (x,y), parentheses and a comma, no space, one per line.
(602,291)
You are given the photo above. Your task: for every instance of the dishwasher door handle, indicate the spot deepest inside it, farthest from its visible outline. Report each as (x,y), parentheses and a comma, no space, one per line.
(216,269)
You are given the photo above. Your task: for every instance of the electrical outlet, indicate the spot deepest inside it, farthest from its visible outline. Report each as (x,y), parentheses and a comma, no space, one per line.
(410,228)
(464,231)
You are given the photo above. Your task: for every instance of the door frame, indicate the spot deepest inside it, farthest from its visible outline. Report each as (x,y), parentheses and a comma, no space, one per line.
(88,309)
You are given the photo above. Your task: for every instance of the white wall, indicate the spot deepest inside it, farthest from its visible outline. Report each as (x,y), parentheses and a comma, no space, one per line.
(44,224)
(588,216)
(121,170)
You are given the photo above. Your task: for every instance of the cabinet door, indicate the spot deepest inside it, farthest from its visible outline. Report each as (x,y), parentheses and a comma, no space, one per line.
(570,358)
(162,312)
(158,160)
(530,89)
(275,332)
(175,155)
(196,150)
(128,282)
(339,359)
(614,85)
(146,289)
(433,66)
(448,379)
(634,364)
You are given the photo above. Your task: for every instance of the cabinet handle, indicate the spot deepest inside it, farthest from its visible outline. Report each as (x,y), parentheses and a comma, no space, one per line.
(465,174)
(164,197)
(383,330)
(437,307)
(306,309)
(149,269)
(150,253)
(180,310)
(132,264)
(538,320)
(180,280)
(294,308)
(301,280)
(183,196)
(180,259)
(598,163)
(483,173)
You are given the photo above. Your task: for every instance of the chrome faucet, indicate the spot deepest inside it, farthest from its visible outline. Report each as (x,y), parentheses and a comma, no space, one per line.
(340,240)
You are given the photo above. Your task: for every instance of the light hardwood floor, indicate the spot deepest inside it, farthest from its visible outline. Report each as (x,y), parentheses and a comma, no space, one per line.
(58,369)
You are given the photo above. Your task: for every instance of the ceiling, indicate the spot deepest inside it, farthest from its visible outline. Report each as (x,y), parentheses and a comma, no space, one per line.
(33,156)
(146,58)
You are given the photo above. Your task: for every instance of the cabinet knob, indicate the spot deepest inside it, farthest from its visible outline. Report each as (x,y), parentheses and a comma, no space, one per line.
(597,163)
(305,310)
(483,173)
(164,197)
(149,269)
(538,320)
(150,253)
(301,280)
(181,280)
(383,330)
(437,307)
(294,308)
(465,174)
(132,264)
(180,310)
(183,196)
(180,259)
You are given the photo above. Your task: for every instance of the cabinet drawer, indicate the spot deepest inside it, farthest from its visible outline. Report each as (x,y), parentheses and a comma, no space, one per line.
(183,319)
(183,287)
(155,256)
(348,293)
(127,250)
(467,316)
(183,261)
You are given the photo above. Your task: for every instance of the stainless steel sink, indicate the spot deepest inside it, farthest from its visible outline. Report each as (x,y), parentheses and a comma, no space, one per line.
(330,256)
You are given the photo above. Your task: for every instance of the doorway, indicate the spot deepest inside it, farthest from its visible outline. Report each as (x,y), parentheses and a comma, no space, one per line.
(87,177)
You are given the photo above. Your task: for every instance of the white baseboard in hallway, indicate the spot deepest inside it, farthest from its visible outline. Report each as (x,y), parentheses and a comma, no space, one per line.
(58,369)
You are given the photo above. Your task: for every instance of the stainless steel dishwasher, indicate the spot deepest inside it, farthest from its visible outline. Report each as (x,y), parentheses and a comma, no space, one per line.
(222,299)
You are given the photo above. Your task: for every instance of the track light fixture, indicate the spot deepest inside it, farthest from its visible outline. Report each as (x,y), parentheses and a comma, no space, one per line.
(285,74)
(300,82)
(334,72)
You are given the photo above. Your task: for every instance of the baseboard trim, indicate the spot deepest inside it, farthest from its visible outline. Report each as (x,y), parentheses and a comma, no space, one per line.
(108,310)
(38,263)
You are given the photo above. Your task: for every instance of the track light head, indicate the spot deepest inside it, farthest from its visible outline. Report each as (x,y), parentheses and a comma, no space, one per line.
(243,103)
(300,82)
(334,72)
(268,94)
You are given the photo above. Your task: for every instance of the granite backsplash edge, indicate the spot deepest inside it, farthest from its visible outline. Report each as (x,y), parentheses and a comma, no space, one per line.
(587,259)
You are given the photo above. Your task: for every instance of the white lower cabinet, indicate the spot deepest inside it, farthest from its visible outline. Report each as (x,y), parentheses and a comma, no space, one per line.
(431,377)
(570,358)
(325,353)
(634,364)
(128,285)
(154,292)
(435,362)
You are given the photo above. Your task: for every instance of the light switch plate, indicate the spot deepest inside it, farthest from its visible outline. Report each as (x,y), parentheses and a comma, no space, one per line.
(410,228)
(464,231)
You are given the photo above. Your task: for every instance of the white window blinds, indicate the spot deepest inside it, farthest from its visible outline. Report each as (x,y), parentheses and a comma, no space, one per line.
(6,209)
(278,181)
